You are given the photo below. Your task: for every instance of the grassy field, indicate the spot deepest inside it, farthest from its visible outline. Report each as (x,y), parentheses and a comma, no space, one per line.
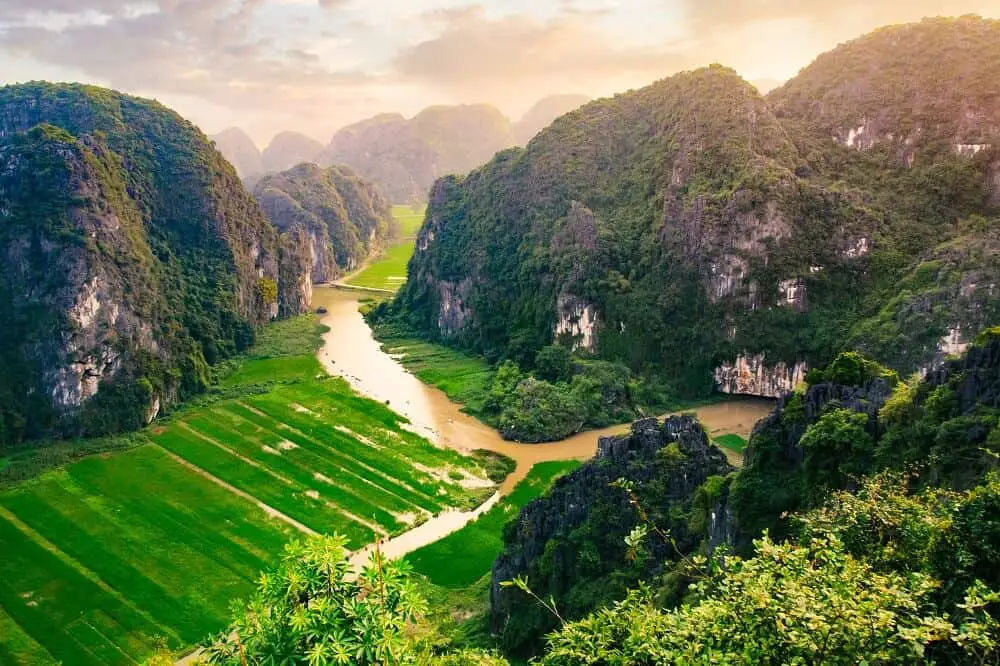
(120,554)
(388,271)
(464,378)
(732,442)
(465,556)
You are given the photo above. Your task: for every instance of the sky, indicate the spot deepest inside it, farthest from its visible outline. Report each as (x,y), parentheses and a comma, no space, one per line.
(316,65)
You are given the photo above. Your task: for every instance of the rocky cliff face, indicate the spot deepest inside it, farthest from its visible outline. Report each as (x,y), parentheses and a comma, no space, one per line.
(570,543)
(720,239)
(132,257)
(750,375)
(337,219)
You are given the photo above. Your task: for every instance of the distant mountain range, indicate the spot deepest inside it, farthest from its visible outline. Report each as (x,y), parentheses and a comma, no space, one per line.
(402,156)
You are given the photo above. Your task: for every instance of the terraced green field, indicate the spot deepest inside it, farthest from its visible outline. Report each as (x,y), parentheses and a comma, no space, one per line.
(108,559)
(388,271)
(465,556)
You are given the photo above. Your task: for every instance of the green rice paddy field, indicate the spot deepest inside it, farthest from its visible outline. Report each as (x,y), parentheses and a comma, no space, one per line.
(465,378)
(465,556)
(388,271)
(114,557)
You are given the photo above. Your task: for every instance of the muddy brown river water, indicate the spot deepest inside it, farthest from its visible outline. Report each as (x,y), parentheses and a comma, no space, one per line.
(350,351)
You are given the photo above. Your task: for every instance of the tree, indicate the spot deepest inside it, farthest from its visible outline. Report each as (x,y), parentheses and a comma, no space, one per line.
(837,447)
(790,604)
(311,610)
(554,363)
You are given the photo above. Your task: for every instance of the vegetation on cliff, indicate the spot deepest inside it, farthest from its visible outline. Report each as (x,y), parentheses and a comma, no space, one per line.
(341,219)
(677,227)
(133,260)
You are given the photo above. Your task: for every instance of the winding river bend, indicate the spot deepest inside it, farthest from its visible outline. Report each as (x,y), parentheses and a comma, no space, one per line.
(350,351)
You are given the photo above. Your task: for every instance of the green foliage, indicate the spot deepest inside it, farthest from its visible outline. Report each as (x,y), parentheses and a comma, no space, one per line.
(267,291)
(805,604)
(463,557)
(837,447)
(309,610)
(118,199)
(852,369)
(554,363)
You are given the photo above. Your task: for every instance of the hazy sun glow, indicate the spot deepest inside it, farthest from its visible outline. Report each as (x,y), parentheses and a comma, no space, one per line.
(316,65)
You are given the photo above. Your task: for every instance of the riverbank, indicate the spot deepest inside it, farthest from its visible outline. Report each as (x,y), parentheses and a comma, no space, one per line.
(351,351)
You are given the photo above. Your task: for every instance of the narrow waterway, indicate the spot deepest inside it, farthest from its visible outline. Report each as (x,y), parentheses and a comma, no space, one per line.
(350,351)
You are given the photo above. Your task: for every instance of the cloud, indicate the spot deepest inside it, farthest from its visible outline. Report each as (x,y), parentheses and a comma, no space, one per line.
(191,47)
(473,52)
(722,14)
(269,65)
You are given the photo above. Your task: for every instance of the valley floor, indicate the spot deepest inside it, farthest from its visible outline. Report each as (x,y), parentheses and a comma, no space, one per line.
(387,272)
(117,556)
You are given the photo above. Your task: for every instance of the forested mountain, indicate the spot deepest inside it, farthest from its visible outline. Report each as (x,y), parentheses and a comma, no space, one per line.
(340,218)
(132,258)
(539,116)
(702,233)
(240,150)
(406,156)
(288,149)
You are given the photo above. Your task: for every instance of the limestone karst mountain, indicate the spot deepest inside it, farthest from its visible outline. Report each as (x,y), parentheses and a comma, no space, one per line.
(288,149)
(543,112)
(133,259)
(702,233)
(237,147)
(342,219)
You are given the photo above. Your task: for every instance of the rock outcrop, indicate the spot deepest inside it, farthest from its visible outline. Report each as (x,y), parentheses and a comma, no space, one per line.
(574,537)
(132,258)
(751,375)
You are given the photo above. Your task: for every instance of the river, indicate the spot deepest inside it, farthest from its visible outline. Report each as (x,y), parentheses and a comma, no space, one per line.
(350,351)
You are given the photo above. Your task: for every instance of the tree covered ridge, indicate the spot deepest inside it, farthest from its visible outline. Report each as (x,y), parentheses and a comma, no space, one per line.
(134,258)
(702,221)
(348,216)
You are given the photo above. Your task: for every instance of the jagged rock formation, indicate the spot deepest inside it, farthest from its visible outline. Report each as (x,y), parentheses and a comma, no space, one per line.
(337,219)
(543,112)
(288,149)
(752,376)
(735,228)
(570,544)
(241,151)
(132,258)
